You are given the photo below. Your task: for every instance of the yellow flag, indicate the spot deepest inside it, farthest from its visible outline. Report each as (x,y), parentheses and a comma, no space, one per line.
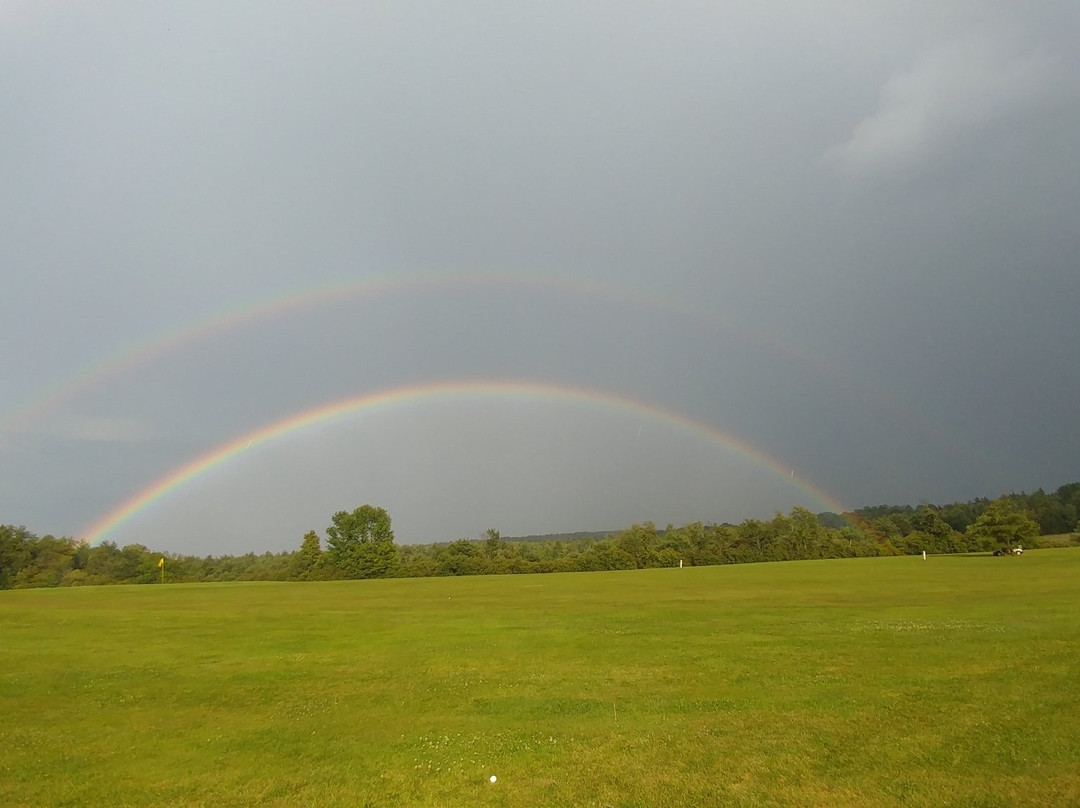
(161,563)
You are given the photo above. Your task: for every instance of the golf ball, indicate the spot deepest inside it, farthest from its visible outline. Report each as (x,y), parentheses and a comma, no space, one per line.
(494,778)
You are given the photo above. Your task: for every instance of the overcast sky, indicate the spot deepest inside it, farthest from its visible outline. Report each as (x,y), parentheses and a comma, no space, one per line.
(840,238)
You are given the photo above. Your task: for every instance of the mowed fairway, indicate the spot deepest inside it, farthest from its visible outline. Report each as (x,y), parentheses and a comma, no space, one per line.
(872,682)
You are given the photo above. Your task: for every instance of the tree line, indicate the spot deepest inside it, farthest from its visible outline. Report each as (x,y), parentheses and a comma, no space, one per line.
(1055,513)
(360,544)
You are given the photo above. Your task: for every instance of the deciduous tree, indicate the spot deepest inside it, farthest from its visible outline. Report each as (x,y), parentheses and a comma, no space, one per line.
(361,544)
(15,546)
(1003,523)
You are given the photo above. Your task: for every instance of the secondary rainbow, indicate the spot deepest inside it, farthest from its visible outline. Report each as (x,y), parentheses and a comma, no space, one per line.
(419,394)
(248,314)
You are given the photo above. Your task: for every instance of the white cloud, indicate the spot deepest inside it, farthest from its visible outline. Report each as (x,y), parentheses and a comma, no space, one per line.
(948,93)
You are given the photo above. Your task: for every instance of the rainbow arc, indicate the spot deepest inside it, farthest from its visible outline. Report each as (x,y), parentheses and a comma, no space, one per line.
(412,395)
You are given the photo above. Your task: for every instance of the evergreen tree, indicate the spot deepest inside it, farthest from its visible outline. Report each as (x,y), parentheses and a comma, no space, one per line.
(306,565)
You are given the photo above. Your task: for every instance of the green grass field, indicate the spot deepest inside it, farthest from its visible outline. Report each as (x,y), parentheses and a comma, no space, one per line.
(876,682)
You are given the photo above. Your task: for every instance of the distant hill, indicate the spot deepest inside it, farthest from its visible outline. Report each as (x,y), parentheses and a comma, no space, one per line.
(1056,513)
(581,534)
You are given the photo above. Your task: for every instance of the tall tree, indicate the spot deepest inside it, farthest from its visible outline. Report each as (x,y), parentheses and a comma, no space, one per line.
(1003,523)
(15,553)
(492,543)
(943,539)
(361,544)
(807,534)
(307,564)
(639,542)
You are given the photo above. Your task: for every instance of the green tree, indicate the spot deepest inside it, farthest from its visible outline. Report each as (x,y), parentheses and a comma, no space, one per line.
(753,541)
(418,561)
(50,560)
(677,543)
(361,544)
(807,536)
(104,565)
(943,539)
(1003,523)
(917,542)
(713,545)
(606,555)
(639,542)
(463,557)
(138,565)
(492,543)
(307,563)
(15,544)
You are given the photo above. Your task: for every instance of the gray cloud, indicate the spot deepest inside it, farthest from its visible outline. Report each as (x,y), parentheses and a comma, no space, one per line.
(106,429)
(843,234)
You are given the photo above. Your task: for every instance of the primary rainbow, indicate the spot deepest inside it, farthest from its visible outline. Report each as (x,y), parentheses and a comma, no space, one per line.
(413,394)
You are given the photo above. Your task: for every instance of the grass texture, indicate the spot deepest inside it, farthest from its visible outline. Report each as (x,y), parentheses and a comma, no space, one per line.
(874,682)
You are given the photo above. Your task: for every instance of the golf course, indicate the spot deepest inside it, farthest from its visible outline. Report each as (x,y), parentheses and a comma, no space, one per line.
(872,682)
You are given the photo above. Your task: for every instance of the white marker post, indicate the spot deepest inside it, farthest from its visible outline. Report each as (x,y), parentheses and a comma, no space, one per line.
(924,555)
